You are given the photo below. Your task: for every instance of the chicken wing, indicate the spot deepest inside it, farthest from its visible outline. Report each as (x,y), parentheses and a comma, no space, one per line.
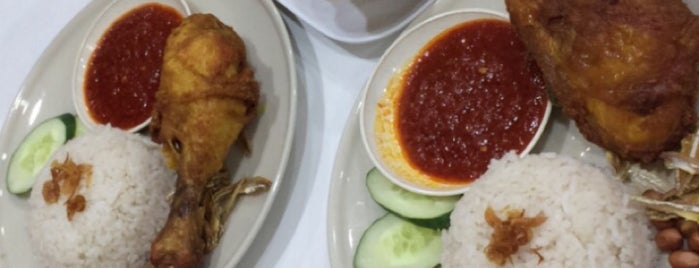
(624,70)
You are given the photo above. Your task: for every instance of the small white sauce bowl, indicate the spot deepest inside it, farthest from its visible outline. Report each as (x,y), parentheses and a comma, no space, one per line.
(398,56)
(103,21)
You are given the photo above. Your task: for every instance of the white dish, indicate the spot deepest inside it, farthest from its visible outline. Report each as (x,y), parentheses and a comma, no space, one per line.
(102,22)
(350,207)
(392,63)
(46,93)
(356,21)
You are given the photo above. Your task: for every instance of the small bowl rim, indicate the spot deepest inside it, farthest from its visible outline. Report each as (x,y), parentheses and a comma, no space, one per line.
(88,45)
(365,129)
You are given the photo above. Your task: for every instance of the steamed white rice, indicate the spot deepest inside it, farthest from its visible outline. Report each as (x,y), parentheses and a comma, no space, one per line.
(591,222)
(125,204)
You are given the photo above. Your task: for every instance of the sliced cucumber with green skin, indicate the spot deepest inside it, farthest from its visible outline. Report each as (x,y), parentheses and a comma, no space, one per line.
(426,211)
(394,242)
(80,128)
(35,150)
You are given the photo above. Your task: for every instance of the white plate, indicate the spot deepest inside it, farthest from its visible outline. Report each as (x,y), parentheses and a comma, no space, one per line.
(46,93)
(350,207)
(356,21)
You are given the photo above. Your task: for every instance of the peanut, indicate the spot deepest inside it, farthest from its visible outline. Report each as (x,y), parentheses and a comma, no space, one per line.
(669,239)
(687,227)
(684,259)
(693,242)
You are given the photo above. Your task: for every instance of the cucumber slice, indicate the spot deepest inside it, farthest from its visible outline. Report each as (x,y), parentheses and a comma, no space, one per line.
(36,148)
(394,242)
(80,128)
(426,211)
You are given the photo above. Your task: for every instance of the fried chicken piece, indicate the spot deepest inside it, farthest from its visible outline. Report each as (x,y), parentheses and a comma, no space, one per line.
(624,70)
(207,95)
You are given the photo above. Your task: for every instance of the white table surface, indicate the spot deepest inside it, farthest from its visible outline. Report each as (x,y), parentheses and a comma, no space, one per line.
(330,77)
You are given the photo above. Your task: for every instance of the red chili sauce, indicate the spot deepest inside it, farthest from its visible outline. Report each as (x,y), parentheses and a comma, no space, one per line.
(471,95)
(124,70)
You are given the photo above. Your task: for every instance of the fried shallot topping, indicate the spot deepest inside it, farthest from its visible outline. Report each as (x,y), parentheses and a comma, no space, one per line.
(51,191)
(75,204)
(65,180)
(510,234)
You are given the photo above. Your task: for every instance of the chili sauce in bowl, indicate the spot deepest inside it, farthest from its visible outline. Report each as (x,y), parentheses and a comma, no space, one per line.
(118,71)
(458,91)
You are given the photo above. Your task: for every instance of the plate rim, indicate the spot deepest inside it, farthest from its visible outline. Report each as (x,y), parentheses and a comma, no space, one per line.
(288,139)
(349,131)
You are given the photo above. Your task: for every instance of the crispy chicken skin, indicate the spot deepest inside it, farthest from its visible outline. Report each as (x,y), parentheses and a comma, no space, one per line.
(207,95)
(624,70)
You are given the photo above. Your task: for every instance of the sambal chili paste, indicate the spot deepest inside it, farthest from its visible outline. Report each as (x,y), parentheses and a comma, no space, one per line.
(124,70)
(471,95)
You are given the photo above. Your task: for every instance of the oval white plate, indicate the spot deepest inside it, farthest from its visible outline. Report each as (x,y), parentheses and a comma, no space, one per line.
(350,207)
(46,93)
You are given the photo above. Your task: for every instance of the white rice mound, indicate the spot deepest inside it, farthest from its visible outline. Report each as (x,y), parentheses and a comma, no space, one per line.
(125,203)
(591,222)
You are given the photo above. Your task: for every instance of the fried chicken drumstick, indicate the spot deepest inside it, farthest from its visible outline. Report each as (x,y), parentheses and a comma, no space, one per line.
(207,95)
(624,70)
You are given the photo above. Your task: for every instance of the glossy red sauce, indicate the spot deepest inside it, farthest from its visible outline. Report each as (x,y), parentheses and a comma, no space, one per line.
(124,70)
(471,95)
